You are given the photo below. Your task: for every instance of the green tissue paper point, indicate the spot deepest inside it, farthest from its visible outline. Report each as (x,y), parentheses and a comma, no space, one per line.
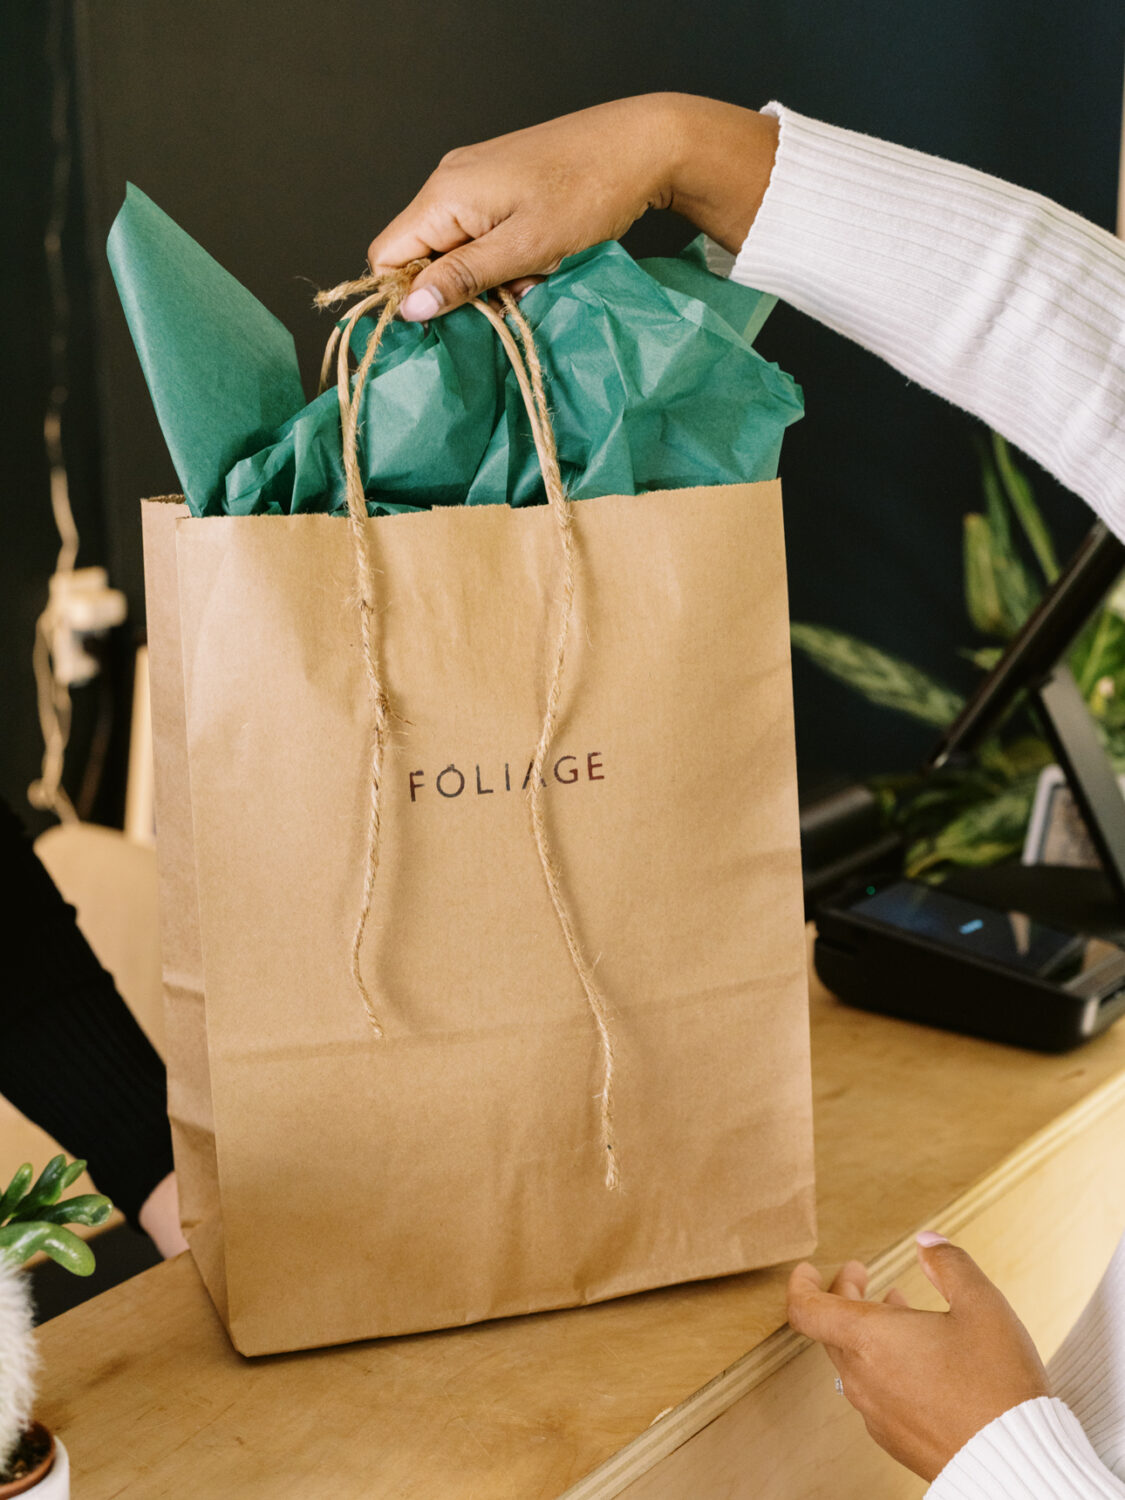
(222,371)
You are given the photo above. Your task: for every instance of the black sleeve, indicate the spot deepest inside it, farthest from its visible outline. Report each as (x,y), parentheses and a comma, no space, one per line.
(72,1056)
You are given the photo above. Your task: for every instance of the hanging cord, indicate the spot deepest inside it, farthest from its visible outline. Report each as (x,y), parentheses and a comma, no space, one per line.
(387,293)
(53,694)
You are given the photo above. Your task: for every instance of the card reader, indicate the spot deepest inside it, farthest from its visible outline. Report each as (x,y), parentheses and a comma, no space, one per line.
(907,949)
(1005,961)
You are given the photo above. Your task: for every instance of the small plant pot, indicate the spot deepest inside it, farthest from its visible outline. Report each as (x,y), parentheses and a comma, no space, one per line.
(49,1479)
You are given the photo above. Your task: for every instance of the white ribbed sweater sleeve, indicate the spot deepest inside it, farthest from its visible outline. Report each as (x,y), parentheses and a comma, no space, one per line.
(1088,1370)
(1014,309)
(991,296)
(1037,1451)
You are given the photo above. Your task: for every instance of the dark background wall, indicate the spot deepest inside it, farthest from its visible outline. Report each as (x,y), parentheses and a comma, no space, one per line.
(283,135)
(36,81)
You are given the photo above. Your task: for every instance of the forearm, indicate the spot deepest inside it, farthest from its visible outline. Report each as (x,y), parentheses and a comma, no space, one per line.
(720,166)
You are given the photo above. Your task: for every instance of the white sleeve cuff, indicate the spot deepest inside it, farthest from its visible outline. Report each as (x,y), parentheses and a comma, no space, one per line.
(993,297)
(1088,1370)
(1036,1451)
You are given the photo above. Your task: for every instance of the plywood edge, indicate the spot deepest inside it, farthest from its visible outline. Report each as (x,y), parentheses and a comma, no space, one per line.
(672,1429)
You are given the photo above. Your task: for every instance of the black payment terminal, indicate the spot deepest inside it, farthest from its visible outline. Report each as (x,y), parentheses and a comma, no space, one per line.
(911,950)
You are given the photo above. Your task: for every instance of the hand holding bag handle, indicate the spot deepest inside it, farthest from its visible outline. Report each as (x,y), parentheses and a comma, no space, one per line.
(387,293)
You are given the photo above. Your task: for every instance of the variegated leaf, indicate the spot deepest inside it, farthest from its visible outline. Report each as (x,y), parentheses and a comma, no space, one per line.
(879,676)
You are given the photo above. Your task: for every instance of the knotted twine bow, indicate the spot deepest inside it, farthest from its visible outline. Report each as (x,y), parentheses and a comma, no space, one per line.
(386,292)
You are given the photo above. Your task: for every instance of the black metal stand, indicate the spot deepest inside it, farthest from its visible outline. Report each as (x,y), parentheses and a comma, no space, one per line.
(1070,729)
(1090,900)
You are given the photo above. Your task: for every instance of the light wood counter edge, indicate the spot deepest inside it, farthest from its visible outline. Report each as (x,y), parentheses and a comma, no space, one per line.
(675,1427)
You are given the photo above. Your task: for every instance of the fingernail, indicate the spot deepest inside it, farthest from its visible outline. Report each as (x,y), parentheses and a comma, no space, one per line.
(421,306)
(929,1237)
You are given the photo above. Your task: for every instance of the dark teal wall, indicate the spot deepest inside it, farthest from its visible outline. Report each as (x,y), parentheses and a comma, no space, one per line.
(283,135)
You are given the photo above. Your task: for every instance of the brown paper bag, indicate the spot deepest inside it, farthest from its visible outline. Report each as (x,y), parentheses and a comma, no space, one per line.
(336,1186)
(339,1185)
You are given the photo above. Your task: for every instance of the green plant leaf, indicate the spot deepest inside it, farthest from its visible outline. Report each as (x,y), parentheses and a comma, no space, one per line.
(52,1182)
(1116,599)
(881,678)
(982,835)
(1025,756)
(999,591)
(1023,503)
(1099,651)
(984,657)
(15,1190)
(995,506)
(982,591)
(21,1241)
(921,858)
(86,1208)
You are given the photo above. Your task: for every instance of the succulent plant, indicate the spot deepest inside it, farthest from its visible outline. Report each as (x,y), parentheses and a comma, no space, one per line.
(32,1219)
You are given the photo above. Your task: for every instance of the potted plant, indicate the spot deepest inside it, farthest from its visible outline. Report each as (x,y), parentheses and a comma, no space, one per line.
(977,813)
(32,1220)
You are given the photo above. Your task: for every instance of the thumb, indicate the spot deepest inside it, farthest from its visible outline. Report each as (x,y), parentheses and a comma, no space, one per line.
(465,272)
(952,1271)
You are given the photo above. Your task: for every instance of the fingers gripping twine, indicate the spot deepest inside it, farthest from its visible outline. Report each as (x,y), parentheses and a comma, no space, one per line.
(386,292)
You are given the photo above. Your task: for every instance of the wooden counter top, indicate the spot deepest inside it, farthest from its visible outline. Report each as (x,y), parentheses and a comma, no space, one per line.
(915,1128)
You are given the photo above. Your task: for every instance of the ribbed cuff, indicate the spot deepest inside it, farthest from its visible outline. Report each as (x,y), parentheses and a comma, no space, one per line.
(994,297)
(1088,1371)
(1036,1451)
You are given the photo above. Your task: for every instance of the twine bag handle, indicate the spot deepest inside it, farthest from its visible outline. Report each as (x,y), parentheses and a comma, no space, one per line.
(386,292)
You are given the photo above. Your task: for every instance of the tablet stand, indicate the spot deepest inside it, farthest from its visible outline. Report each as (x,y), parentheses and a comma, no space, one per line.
(1033,664)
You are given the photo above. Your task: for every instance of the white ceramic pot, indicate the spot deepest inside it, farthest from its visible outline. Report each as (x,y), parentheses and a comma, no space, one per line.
(54,1485)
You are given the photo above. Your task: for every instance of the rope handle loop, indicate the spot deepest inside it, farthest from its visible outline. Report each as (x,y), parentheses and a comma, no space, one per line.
(386,292)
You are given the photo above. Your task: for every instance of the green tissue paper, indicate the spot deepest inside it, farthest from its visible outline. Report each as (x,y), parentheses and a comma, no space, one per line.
(651,374)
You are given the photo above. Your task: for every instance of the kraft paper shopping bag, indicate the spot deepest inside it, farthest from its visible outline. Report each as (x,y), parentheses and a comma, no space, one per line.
(343,1186)
(554,1061)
